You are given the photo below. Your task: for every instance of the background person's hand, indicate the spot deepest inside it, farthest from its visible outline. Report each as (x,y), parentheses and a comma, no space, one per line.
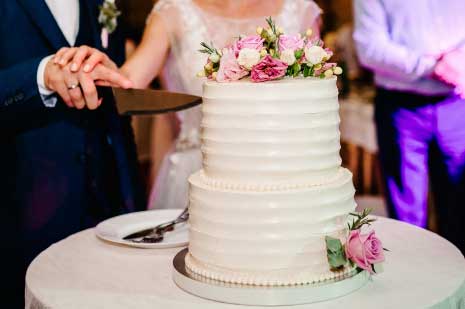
(83,57)
(78,89)
(450,69)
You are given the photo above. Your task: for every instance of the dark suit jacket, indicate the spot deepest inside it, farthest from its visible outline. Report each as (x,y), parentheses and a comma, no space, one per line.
(61,170)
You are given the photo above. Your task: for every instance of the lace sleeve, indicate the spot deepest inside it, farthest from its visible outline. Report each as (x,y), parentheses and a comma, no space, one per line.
(163,6)
(310,14)
(167,11)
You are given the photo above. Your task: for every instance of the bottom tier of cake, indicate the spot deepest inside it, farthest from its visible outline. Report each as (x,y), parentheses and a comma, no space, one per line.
(267,238)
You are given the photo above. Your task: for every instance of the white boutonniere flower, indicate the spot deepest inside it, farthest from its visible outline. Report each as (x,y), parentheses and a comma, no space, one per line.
(108,18)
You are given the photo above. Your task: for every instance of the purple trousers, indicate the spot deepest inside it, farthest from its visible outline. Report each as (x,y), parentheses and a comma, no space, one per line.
(422,149)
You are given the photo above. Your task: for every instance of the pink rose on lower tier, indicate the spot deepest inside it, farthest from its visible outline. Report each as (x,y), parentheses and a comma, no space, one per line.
(267,69)
(364,249)
(252,42)
(292,42)
(229,69)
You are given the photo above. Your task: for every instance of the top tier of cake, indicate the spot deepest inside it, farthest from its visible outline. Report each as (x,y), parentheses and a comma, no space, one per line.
(271,136)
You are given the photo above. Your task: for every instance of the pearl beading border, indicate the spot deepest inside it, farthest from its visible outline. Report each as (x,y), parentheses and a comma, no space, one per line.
(220,184)
(262,279)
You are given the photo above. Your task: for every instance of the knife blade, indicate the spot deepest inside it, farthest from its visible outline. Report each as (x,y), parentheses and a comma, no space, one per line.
(148,101)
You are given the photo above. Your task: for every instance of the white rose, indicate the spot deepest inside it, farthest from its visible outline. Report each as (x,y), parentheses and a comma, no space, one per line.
(315,54)
(288,56)
(248,57)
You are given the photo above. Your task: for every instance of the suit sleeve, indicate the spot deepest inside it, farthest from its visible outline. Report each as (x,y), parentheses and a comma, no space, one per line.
(18,87)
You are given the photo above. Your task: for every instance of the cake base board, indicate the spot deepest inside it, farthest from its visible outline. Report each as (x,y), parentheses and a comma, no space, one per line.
(262,295)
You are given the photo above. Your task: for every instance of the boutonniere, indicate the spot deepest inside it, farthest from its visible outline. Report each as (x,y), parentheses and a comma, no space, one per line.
(108,19)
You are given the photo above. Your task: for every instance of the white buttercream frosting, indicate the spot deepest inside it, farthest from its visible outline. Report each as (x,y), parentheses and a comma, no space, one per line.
(283,133)
(272,186)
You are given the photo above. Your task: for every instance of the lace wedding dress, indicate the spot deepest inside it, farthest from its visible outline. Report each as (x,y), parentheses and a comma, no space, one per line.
(188,25)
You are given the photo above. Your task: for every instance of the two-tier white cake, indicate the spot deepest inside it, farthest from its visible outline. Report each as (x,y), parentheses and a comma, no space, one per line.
(272,186)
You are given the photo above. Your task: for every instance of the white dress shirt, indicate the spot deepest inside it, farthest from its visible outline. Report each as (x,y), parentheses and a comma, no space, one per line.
(400,39)
(66,14)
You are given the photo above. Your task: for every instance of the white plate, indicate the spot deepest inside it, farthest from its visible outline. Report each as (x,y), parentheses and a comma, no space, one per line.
(114,229)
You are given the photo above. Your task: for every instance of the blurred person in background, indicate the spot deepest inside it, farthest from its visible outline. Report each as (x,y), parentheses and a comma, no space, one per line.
(169,49)
(416,50)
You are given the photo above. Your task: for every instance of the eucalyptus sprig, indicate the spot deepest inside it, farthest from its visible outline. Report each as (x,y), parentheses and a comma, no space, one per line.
(272,25)
(361,219)
(208,49)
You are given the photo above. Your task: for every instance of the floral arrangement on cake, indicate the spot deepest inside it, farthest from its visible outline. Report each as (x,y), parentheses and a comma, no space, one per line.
(363,250)
(270,54)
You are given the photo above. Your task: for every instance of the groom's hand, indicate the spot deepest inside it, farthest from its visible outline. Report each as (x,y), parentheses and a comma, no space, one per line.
(78,89)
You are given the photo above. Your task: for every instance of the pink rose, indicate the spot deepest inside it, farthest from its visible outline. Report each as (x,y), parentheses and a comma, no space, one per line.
(267,69)
(229,69)
(364,249)
(252,42)
(292,42)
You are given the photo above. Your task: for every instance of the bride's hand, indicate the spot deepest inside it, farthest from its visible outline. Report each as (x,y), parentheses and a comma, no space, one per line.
(83,56)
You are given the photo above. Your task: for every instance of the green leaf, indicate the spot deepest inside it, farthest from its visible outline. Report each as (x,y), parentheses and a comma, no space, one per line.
(337,260)
(295,69)
(289,71)
(306,71)
(335,253)
(299,53)
(333,244)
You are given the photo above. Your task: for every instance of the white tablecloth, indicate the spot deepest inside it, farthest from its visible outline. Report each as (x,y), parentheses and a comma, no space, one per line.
(422,270)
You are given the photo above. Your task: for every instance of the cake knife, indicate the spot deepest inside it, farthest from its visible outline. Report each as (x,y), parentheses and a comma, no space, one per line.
(147,101)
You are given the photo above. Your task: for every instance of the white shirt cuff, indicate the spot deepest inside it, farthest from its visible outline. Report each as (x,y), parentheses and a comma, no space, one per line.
(426,65)
(46,94)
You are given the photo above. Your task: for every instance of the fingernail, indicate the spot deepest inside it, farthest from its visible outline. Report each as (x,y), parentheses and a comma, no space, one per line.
(55,60)
(86,68)
(74,67)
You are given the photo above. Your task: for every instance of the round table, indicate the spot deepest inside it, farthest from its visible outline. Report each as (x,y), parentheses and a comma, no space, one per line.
(421,270)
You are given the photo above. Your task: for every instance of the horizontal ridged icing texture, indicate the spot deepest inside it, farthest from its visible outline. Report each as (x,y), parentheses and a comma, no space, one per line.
(266,233)
(277,133)
(272,186)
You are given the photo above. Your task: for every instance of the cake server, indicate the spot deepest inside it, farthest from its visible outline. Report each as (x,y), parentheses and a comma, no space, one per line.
(156,233)
(147,101)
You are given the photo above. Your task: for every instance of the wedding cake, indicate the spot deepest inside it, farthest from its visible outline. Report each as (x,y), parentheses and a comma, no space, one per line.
(270,205)
(272,186)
